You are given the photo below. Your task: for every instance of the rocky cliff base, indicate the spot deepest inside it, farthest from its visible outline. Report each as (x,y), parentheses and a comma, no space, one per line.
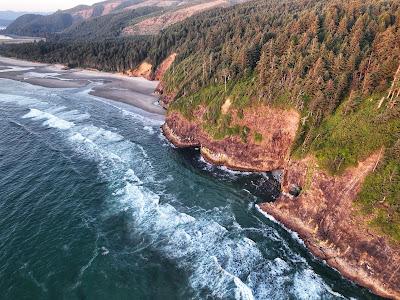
(326,218)
(319,207)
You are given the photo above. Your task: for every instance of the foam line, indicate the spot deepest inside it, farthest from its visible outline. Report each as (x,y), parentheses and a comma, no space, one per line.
(50,120)
(219,262)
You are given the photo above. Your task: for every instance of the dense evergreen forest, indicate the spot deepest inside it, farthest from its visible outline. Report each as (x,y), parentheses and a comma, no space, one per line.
(39,26)
(111,55)
(333,61)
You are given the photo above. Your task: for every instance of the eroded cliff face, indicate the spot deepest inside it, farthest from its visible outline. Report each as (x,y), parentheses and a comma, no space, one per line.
(323,211)
(143,70)
(165,98)
(164,66)
(328,221)
(278,129)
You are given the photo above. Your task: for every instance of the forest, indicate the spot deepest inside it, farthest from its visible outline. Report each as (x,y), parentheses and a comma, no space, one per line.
(333,61)
(38,25)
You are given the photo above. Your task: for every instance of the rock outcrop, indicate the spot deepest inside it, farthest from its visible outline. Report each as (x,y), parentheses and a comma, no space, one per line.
(327,219)
(320,207)
(277,126)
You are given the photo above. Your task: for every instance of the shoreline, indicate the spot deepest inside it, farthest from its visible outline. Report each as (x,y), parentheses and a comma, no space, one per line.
(318,252)
(134,91)
(139,93)
(323,216)
(326,218)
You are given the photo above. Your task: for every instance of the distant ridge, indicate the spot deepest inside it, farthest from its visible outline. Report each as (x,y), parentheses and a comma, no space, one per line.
(123,17)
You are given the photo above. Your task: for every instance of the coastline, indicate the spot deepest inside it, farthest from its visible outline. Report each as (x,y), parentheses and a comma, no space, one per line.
(324,215)
(301,234)
(327,219)
(139,92)
(134,91)
(331,259)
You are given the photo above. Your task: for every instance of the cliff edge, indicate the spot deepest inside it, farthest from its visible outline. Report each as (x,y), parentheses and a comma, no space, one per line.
(318,206)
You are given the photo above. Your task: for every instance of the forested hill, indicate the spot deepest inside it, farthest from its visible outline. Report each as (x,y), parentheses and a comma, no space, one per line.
(112,18)
(38,25)
(330,60)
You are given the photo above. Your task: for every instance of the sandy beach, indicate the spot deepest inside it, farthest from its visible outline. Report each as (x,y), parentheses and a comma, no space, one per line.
(134,91)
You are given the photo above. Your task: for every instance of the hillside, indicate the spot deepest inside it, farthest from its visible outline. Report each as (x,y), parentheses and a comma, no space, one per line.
(331,63)
(112,18)
(309,87)
(108,26)
(38,25)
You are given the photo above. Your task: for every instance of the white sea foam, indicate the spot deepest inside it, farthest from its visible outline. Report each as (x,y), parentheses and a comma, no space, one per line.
(4,37)
(16,69)
(40,75)
(50,120)
(294,234)
(220,264)
(208,166)
(149,129)
(74,115)
(308,285)
(21,100)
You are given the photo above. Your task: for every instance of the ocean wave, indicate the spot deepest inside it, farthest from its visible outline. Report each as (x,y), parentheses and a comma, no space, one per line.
(220,262)
(50,119)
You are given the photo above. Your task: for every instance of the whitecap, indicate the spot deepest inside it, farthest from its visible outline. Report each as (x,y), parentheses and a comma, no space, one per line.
(50,119)
(219,263)
(149,129)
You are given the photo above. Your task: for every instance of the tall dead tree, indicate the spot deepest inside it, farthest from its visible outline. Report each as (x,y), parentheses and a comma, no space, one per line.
(394,91)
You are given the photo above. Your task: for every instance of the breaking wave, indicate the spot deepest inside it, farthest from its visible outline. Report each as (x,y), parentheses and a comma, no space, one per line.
(219,263)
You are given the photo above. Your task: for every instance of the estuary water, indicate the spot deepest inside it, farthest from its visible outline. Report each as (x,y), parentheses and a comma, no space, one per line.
(96,204)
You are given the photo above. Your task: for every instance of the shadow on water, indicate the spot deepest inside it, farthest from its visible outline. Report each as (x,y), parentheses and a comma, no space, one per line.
(264,187)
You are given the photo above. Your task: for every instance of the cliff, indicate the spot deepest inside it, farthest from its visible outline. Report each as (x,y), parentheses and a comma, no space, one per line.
(327,219)
(277,127)
(320,207)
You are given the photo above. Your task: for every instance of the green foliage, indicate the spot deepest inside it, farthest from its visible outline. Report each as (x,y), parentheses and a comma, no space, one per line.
(381,193)
(258,137)
(212,98)
(114,55)
(344,139)
(347,137)
(38,25)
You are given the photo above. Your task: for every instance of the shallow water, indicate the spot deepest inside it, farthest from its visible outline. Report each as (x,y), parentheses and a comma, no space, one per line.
(95,204)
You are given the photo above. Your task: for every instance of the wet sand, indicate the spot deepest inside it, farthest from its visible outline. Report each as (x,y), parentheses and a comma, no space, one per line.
(138,92)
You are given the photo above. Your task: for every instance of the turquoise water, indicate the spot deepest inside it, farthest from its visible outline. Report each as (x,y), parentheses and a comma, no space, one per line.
(95,204)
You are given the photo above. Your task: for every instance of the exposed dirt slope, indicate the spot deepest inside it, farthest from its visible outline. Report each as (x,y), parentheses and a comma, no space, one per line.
(164,66)
(159,3)
(143,70)
(110,6)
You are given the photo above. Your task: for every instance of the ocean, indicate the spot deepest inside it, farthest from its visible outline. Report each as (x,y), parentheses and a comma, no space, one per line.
(96,204)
